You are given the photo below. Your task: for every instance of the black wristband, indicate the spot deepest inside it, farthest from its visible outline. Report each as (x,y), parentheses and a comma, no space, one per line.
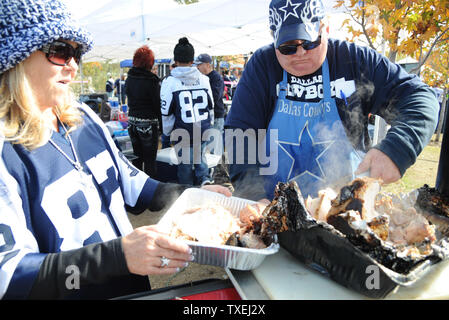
(94,271)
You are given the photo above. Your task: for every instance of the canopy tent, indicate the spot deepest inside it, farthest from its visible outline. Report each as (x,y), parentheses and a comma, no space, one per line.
(216,27)
(128,63)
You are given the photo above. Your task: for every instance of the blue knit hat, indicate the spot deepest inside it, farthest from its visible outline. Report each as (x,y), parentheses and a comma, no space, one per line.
(295,20)
(28,25)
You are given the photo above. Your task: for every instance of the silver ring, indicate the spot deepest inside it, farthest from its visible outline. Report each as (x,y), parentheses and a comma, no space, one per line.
(164,261)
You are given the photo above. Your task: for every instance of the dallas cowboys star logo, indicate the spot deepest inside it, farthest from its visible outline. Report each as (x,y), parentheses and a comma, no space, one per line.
(305,155)
(290,9)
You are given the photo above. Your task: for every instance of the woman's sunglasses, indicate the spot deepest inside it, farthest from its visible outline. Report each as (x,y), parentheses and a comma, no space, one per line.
(60,53)
(289,49)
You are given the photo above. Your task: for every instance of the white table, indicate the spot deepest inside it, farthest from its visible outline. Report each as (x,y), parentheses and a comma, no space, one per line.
(283,277)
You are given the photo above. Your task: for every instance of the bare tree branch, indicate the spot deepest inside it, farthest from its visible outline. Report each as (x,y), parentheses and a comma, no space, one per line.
(435,42)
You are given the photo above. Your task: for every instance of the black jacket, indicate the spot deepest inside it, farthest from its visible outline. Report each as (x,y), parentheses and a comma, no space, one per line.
(217,86)
(143,90)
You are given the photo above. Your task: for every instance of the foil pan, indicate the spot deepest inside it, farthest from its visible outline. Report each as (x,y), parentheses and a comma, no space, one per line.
(324,249)
(223,256)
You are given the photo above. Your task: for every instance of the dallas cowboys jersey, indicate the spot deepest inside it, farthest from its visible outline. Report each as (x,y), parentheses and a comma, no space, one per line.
(361,82)
(186,101)
(47,206)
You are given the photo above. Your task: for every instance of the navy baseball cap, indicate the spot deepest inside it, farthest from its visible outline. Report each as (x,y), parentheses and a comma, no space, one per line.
(203,58)
(295,20)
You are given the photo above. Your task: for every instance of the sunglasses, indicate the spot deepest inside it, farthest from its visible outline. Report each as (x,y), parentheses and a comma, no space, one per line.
(289,49)
(60,53)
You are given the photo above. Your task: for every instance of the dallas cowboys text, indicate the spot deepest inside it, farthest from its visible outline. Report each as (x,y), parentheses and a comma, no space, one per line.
(306,110)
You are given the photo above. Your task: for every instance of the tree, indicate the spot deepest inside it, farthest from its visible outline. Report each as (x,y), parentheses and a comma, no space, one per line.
(97,71)
(436,74)
(411,28)
(406,27)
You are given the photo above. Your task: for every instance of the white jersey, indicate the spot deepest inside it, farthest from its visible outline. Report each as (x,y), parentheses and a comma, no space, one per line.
(48,206)
(186,101)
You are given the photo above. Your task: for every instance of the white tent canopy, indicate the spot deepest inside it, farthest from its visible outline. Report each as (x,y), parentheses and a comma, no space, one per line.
(216,27)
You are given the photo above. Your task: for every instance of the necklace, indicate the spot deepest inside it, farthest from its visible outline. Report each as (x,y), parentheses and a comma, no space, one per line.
(76,163)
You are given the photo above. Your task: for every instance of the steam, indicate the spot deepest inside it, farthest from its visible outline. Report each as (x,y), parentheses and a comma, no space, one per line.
(250,185)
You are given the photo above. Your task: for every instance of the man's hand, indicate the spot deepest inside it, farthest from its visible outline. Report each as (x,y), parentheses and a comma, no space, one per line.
(380,166)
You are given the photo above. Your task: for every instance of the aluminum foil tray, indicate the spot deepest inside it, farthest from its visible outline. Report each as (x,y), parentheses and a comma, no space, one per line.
(223,255)
(322,248)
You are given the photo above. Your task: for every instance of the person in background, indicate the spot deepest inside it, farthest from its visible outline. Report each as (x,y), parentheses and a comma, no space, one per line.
(109,85)
(235,76)
(120,89)
(220,172)
(165,140)
(225,75)
(143,91)
(155,69)
(187,104)
(65,189)
(203,63)
(228,85)
(313,94)
(232,77)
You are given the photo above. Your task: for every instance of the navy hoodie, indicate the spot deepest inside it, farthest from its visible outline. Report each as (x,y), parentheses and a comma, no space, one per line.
(380,87)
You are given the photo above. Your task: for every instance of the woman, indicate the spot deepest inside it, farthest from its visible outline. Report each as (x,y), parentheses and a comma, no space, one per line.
(64,186)
(143,90)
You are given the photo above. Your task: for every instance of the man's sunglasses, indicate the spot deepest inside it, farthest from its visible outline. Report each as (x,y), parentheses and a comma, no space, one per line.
(289,49)
(60,53)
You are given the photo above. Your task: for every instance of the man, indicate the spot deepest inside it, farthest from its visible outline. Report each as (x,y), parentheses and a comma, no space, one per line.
(120,89)
(203,63)
(314,95)
(187,104)
(110,85)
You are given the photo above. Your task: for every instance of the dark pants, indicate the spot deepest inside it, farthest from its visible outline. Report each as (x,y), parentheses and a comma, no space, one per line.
(145,139)
(194,174)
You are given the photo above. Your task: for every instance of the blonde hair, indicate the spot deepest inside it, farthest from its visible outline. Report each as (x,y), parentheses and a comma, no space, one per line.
(24,122)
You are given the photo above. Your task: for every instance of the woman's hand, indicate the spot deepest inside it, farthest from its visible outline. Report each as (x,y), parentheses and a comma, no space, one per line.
(217,188)
(145,247)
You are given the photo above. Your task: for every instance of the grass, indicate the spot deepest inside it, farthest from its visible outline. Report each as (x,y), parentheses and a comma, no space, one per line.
(424,171)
